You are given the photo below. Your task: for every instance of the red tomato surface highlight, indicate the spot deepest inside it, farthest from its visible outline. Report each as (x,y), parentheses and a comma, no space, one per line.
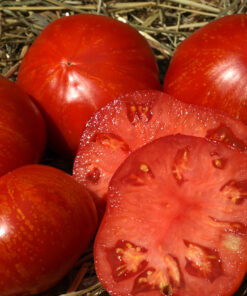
(22,128)
(47,221)
(79,63)
(135,119)
(176,221)
(210,67)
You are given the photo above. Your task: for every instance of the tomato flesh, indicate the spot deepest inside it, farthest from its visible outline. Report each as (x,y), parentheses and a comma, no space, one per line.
(135,119)
(176,223)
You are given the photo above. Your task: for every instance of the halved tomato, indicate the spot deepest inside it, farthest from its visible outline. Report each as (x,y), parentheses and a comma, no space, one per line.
(176,221)
(135,119)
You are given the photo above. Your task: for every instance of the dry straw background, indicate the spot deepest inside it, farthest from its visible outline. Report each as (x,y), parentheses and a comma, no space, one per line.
(163,23)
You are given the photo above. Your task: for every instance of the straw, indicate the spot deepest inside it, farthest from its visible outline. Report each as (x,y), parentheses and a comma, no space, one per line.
(164,24)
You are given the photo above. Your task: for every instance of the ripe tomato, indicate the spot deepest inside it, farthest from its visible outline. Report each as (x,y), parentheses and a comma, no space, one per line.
(22,128)
(47,220)
(78,64)
(210,67)
(135,119)
(176,221)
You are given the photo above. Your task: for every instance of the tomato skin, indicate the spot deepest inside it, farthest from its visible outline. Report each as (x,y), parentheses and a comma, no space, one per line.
(79,63)
(210,67)
(47,221)
(175,221)
(22,128)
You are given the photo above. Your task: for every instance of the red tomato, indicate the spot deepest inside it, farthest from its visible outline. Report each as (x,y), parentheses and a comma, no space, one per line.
(78,64)
(176,221)
(22,128)
(47,220)
(135,119)
(210,67)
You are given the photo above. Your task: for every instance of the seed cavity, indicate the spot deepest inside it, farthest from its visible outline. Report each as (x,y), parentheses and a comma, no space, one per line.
(173,270)
(111,141)
(93,175)
(235,191)
(152,280)
(234,227)
(126,259)
(202,262)
(140,176)
(180,165)
(225,135)
(139,113)
(219,163)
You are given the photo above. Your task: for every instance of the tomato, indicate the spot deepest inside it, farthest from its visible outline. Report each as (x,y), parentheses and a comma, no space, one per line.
(22,128)
(47,221)
(210,67)
(135,119)
(78,64)
(176,221)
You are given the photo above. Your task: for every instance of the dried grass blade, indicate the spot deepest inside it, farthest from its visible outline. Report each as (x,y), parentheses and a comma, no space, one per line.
(12,70)
(197,5)
(128,5)
(79,277)
(96,286)
(187,26)
(151,18)
(199,12)
(47,8)
(157,45)
(64,5)
(231,8)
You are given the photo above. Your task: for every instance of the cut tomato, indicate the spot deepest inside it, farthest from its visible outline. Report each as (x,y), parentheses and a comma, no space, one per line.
(135,119)
(176,221)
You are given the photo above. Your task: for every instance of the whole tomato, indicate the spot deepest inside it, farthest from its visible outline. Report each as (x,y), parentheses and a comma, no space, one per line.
(22,128)
(210,67)
(79,63)
(47,220)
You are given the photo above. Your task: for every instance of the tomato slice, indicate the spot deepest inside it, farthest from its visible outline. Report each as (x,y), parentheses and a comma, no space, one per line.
(135,119)
(176,221)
